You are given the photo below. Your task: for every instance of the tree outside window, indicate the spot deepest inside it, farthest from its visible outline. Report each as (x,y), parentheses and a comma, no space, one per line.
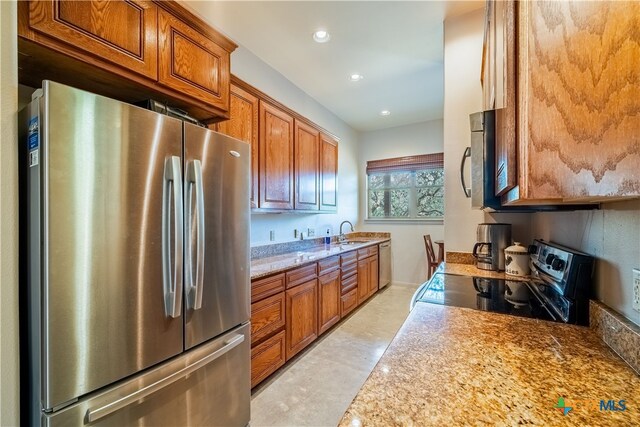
(417,192)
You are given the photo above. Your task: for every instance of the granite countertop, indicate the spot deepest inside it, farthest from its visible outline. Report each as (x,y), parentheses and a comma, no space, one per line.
(274,264)
(458,366)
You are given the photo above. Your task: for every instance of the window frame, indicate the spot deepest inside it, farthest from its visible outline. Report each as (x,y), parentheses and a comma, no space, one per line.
(413,199)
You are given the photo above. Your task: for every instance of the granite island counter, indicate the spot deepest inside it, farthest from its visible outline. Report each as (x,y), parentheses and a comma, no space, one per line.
(457,366)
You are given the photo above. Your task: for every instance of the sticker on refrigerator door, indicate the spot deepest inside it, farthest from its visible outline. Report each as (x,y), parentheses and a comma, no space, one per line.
(33,158)
(32,139)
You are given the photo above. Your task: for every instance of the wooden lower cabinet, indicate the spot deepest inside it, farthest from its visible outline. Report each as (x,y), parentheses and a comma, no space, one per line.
(302,316)
(363,280)
(329,300)
(373,275)
(317,296)
(267,357)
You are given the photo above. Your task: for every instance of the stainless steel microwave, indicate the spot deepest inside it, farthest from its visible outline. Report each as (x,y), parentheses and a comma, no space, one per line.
(483,164)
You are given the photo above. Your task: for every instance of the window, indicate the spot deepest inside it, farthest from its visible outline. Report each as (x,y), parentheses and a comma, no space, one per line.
(406,188)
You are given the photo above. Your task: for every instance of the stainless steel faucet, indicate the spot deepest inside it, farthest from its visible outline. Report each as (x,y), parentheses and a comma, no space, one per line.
(341,236)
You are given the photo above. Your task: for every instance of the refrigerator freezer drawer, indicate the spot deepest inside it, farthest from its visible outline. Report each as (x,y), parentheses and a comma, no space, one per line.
(207,386)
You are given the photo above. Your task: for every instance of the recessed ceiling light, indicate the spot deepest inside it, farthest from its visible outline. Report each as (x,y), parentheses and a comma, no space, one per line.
(385,112)
(321,36)
(356,77)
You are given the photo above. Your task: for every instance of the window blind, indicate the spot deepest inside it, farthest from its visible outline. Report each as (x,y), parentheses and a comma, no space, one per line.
(407,163)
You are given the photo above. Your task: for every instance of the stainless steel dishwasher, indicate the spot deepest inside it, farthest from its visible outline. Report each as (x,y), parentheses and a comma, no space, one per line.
(385,264)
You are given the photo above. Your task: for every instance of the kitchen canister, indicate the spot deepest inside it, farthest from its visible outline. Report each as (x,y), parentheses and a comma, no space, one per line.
(516,260)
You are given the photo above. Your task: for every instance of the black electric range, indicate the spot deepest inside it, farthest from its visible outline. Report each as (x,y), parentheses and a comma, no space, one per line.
(558,289)
(498,295)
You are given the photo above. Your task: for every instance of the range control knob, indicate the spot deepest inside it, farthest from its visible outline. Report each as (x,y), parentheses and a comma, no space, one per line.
(549,259)
(533,249)
(557,264)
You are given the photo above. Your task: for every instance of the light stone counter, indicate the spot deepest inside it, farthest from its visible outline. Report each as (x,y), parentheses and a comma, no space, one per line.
(274,264)
(451,366)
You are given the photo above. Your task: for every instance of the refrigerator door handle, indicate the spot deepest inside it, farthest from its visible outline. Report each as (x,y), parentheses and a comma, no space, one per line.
(96,414)
(195,287)
(172,280)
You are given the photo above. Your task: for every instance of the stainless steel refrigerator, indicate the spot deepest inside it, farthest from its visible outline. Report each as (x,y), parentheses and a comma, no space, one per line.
(137,304)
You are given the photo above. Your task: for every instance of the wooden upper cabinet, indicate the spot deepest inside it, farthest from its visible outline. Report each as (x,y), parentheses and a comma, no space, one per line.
(578,76)
(506,173)
(306,166)
(123,33)
(328,173)
(129,50)
(276,158)
(243,125)
(191,62)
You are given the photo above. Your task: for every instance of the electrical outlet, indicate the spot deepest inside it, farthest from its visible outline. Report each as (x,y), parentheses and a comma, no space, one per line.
(272,235)
(636,289)
(311,232)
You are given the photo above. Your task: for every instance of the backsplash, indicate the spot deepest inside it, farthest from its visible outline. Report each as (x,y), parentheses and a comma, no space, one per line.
(265,251)
(617,332)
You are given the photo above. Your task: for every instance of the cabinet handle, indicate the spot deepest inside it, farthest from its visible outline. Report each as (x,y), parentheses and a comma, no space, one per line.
(465,156)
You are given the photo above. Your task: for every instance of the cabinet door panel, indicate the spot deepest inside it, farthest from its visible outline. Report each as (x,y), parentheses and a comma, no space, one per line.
(121,32)
(328,173)
(363,280)
(243,125)
(373,275)
(578,88)
(192,63)
(307,158)
(329,290)
(506,167)
(276,158)
(302,316)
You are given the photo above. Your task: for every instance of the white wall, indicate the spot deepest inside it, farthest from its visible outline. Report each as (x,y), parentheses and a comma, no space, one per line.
(463,37)
(254,71)
(408,252)
(9,350)
(613,236)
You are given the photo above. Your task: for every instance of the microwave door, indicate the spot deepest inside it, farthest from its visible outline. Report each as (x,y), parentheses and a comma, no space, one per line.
(477,170)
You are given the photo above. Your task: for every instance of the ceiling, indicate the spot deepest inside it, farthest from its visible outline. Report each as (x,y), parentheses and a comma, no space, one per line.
(396,45)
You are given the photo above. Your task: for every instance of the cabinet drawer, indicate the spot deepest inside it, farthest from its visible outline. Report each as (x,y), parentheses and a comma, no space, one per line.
(267,357)
(349,283)
(349,301)
(348,258)
(267,316)
(349,269)
(329,264)
(262,288)
(363,253)
(301,275)
(373,250)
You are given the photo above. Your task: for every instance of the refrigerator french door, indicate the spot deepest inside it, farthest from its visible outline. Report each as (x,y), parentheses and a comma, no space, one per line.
(138,265)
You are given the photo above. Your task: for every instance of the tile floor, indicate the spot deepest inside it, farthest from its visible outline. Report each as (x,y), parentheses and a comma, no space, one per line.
(316,388)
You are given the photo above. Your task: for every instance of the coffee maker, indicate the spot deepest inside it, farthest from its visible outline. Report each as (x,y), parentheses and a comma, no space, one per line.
(489,249)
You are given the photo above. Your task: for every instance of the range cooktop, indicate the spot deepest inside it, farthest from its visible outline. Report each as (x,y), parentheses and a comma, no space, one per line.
(505,296)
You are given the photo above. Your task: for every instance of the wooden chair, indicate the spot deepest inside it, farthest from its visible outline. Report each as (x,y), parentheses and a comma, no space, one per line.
(431,256)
